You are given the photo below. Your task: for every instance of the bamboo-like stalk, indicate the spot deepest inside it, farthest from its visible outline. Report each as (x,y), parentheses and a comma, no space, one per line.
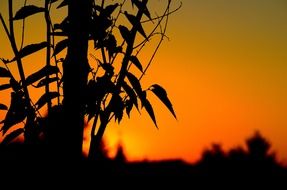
(31,115)
(48,52)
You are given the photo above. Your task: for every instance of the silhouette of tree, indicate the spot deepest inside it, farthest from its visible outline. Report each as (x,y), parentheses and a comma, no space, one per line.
(100,90)
(120,157)
(215,154)
(253,166)
(258,147)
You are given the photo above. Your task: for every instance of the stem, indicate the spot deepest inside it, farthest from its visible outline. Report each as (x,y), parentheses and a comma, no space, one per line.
(75,72)
(105,116)
(48,53)
(28,134)
(102,5)
(129,50)
(55,57)
(166,13)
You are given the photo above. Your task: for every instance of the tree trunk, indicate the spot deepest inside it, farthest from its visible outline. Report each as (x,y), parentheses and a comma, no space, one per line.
(75,69)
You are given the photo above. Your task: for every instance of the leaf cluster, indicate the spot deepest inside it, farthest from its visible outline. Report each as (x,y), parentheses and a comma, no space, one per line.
(113,90)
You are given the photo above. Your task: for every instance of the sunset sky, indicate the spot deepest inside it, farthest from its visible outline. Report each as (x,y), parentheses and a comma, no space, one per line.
(225,70)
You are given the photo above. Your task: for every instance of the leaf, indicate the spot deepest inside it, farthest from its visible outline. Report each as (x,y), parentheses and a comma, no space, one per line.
(15,84)
(130,92)
(3,107)
(46,81)
(64,3)
(111,44)
(136,24)
(5,61)
(135,84)
(29,49)
(109,10)
(46,98)
(5,86)
(11,136)
(27,11)
(107,67)
(142,6)
(17,111)
(60,46)
(63,26)
(47,70)
(125,33)
(4,72)
(52,1)
(117,107)
(162,95)
(129,106)
(136,62)
(149,109)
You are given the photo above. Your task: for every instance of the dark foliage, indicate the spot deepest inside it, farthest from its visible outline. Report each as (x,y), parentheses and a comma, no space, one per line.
(101,91)
(237,168)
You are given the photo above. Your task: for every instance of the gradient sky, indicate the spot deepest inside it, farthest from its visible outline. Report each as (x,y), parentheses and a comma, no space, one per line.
(225,70)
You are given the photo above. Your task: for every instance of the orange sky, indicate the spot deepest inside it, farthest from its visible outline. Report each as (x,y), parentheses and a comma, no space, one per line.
(225,70)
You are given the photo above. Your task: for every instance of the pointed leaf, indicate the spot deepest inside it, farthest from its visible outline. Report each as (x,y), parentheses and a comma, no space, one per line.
(117,107)
(64,25)
(109,10)
(135,84)
(130,92)
(5,61)
(107,67)
(133,3)
(3,107)
(29,49)
(27,11)
(162,95)
(46,98)
(129,106)
(149,109)
(141,6)
(46,81)
(47,70)
(5,86)
(17,111)
(4,72)
(136,23)
(64,3)
(52,1)
(11,136)
(60,46)
(111,44)
(125,33)
(141,30)
(136,62)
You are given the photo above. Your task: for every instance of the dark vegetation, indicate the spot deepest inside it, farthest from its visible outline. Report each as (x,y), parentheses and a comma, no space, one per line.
(77,89)
(254,166)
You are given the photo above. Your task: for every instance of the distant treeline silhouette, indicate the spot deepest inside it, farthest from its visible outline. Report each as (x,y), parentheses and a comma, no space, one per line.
(254,165)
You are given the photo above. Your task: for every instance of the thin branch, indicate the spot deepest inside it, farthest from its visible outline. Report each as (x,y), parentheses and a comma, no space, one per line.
(157,48)
(153,55)
(165,14)
(23,29)
(5,27)
(159,17)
